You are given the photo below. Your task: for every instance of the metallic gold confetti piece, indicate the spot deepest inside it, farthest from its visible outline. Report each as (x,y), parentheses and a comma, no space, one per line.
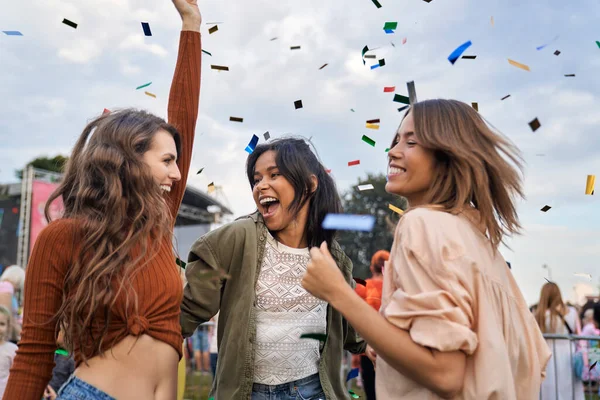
(589,184)
(396,209)
(519,65)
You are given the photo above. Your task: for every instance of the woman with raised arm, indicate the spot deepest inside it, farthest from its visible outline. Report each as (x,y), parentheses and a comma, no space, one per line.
(105,272)
(453,323)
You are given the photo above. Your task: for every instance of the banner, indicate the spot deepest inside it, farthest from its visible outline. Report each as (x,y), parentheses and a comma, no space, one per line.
(40,192)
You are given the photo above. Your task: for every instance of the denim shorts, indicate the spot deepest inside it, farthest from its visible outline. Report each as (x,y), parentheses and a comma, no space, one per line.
(76,389)
(200,340)
(303,389)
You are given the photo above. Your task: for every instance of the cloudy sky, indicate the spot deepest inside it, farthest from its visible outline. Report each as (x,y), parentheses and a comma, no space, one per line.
(55,78)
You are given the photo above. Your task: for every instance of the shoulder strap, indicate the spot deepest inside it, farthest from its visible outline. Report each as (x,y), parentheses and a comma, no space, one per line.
(566,324)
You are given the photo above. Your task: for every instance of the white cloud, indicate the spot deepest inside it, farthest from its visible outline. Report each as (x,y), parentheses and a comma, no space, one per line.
(137,42)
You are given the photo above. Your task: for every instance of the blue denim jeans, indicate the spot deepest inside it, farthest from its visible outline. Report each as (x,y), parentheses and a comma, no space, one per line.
(76,389)
(303,389)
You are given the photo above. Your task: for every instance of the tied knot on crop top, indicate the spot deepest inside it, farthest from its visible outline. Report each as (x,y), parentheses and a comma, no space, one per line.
(137,325)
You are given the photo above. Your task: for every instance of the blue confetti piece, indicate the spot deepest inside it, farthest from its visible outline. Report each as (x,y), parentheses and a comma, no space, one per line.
(252,145)
(458,52)
(352,374)
(146,28)
(349,222)
(375,66)
(389,31)
(12,33)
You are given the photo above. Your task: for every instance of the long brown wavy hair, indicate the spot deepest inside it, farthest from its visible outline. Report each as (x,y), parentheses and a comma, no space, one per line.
(109,190)
(550,300)
(475,166)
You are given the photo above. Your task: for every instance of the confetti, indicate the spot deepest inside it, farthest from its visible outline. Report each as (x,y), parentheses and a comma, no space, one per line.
(389,31)
(298,104)
(412,92)
(353,395)
(236,119)
(547,280)
(598,43)
(570,75)
(583,275)
(323,66)
(62,352)
(402,108)
(381,63)
(556,52)
(492,20)
(395,209)
(348,222)
(372,126)
(213,30)
(368,140)
(12,33)
(545,208)
(455,55)
(321,337)
(199,172)
(371,56)
(206,52)
(519,65)
(535,124)
(505,97)
(355,162)
(106,111)
(273,39)
(469,57)
(252,145)
(295,48)
(219,67)
(387,149)
(404,41)
(593,365)
(352,374)
(267,135)
(589,184)
(181,263)
(398,98)
(364,51)
(427,1)
(544,45)
(366,187)
(389,89)
(373,121)
(390,26)
(352,109)
(211,187)
(150,94)
(475,106)
(146,28)
(143,86)
(376,3)
(69,23)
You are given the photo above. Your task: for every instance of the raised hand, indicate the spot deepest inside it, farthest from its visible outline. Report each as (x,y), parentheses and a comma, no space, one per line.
(189,11)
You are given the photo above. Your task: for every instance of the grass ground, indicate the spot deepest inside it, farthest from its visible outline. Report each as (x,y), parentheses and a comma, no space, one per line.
(198,387)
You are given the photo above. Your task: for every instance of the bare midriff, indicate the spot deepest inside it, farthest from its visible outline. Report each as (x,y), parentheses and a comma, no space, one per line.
(138,367)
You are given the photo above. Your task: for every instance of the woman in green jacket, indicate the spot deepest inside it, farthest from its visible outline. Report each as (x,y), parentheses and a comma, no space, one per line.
(251,270)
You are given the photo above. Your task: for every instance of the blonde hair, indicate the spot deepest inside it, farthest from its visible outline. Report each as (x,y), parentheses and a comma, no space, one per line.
(6,311)
(15,275)
(550,300)
(475,166)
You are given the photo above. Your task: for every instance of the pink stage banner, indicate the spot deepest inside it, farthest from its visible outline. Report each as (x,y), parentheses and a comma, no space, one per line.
(40,193)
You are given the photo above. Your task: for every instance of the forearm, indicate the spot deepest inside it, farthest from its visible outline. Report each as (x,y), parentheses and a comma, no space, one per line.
(391,343)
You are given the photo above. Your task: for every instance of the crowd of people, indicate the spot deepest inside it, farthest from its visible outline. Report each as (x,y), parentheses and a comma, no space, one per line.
(440,312)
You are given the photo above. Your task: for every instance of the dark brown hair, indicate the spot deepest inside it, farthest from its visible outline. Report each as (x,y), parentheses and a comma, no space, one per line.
(109,189)
(475,166)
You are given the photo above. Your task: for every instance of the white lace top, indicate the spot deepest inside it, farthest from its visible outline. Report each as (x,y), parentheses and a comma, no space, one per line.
(284,312)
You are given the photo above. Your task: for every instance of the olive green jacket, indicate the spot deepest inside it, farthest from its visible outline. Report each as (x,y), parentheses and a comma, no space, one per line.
(236,249)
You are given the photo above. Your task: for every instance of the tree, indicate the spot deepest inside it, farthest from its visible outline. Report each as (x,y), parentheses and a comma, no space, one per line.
(360,246)
(55,164)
